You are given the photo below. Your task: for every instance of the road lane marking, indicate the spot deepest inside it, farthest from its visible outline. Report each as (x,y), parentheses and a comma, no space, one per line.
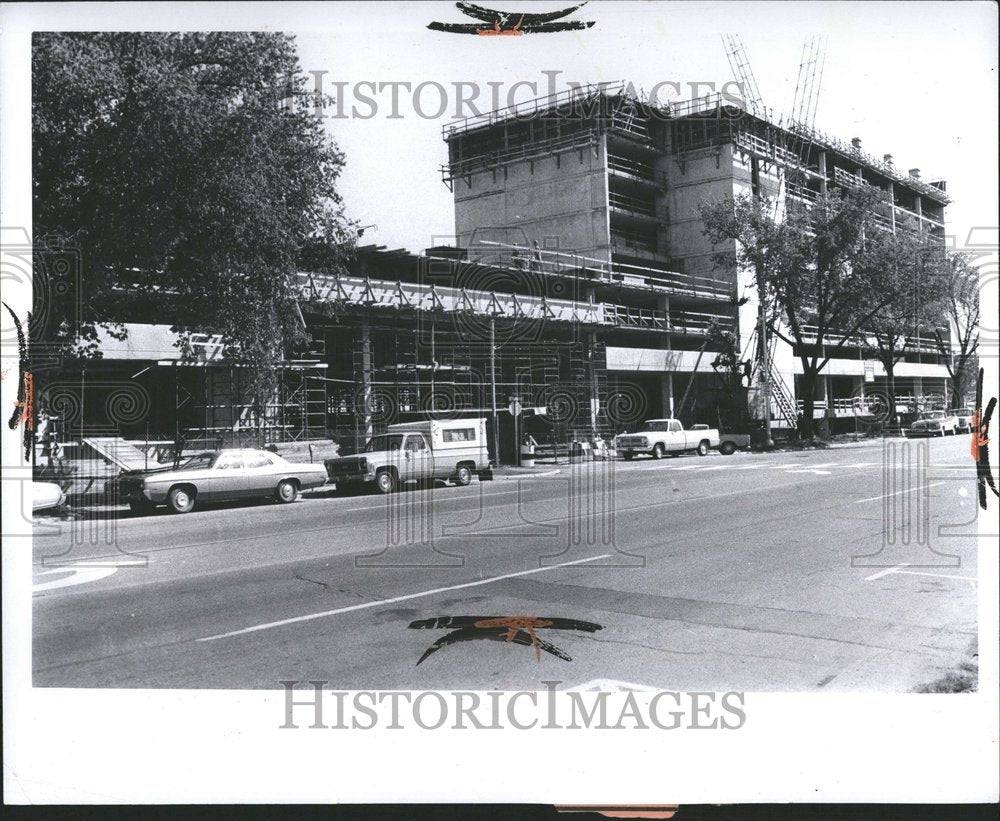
(906,490)
(810,470)
(80,573)
(395,599)
(900,568)
(885,572)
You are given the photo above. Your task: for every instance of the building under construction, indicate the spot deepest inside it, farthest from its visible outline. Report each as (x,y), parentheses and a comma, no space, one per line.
(581,295)
(602,174)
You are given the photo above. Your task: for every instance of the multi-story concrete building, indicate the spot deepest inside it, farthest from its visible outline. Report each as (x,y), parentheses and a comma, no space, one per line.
(600,174)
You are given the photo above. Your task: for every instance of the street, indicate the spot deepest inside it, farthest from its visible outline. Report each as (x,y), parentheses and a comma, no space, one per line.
(851,568)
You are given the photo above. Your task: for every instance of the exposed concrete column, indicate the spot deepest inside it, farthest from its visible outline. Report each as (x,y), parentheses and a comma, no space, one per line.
(667,391)
(595,399)
(667,379)
(366,377)
(919,206)
(822,171)
(663,304)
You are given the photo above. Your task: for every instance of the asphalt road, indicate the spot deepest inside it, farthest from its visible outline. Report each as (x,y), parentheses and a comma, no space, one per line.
(847,569)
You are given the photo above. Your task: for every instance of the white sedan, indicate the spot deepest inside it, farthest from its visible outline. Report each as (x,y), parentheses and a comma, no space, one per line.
(221,475)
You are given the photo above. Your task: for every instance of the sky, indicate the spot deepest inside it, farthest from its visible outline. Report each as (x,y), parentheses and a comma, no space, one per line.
(917,80)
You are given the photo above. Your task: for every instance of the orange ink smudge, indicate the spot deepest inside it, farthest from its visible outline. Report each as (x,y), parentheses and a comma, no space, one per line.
(27,407)
(515,623)
(979,438)
(496,31)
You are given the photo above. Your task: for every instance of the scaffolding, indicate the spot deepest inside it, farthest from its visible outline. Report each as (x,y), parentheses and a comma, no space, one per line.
(383,377)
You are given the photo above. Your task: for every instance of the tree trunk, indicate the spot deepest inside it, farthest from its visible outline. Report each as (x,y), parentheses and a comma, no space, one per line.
(958,379)
(890,375)
(806,420)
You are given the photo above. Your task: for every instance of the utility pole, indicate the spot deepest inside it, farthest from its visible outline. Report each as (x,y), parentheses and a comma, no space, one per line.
(687,390)
(493,389)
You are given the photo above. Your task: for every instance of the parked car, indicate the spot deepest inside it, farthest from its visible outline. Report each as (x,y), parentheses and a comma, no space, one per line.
(453,450)
(658,437)
(221,475)
(934,424)
(46,495)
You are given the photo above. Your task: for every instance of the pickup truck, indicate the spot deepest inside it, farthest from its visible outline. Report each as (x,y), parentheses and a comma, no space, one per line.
(658,437)
(935,424)
(453,450)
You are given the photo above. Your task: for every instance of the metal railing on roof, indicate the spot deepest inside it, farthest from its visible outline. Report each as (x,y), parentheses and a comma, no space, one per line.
(825,140)
(532,108)
(716,103)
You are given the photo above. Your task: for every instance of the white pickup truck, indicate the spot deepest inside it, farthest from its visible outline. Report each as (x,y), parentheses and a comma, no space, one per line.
(658,437)
(454,451)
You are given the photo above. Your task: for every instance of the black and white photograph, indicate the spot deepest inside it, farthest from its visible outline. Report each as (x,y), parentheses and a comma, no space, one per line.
(417,380)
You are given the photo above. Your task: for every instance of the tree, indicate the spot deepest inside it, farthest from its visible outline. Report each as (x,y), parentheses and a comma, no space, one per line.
(186,164)
(803,263)
(904,266)
(961,312)
(731,402)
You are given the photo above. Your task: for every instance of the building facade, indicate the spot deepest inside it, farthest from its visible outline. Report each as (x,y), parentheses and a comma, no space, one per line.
(581,296)
(599,173)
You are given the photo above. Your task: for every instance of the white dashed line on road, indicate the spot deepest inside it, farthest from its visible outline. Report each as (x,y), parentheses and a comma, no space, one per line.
(901,568)
(379,602)
(897,493)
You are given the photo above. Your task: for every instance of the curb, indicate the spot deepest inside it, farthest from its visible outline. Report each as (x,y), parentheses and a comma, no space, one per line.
(533,474)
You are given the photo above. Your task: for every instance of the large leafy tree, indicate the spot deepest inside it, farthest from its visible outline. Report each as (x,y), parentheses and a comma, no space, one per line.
(905,267)
(803,263)
(960,307)
(189,166)
(732,396)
